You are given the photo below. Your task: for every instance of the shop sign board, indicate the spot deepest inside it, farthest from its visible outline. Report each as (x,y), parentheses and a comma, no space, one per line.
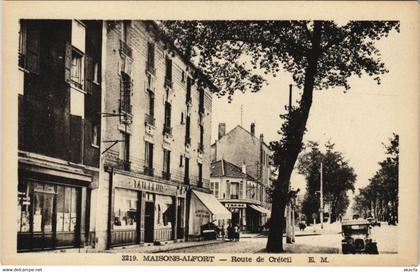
(133,183)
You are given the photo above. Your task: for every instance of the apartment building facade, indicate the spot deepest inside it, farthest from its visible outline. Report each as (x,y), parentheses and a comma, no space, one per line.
(114,137)
(240,176)
(59,100)
(157,119)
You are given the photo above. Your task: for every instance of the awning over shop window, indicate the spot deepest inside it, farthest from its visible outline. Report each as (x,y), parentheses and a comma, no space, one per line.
(215,207)
(260,209)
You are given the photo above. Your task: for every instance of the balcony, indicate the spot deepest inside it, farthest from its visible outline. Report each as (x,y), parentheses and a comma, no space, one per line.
(125,49)
(149,119)
(187,141)
(168,83)
(166,175)
(167,130)
(149,171)
(124,165)
(150,68)
(125,106)
(200,148)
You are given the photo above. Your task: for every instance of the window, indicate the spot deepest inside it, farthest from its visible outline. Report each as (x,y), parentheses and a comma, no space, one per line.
(151,57)
(125,150)
(187,131)
(214,187)
(187,171)
(166,164)
(78,35)
(29,47)
(201,101)
(76,72)
(151,96)
(181,161)
(200,175)
(124,31)
(96,72)
(234,190)
(167,124)
(182,118)
(188,98)
(125,214)
(22,44)
(201,144)
(148,160)
(95,135)
(125,92)
(168,73)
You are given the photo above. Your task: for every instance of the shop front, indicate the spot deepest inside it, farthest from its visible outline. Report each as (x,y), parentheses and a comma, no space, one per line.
(145,211)
(256,217)
(52,211)
(204,209)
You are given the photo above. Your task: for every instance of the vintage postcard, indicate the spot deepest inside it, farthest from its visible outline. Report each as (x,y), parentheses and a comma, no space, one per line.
(210,133)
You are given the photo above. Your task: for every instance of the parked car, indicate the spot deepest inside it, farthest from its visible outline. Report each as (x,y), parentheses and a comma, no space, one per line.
(373,221)
(209,231)
(356,237)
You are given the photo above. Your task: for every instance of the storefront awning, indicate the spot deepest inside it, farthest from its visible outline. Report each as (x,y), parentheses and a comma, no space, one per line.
(260,209)
(215,207)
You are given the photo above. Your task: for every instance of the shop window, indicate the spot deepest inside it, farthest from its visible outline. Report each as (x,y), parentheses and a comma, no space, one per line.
(165,216)
(24,202)
(67,199)
(125,209)
(148,160)
(166,164)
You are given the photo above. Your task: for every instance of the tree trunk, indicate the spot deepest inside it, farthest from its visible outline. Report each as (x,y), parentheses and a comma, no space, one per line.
(293,145)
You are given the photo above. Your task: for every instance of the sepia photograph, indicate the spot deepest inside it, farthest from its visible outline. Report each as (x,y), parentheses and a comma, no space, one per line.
(268,141)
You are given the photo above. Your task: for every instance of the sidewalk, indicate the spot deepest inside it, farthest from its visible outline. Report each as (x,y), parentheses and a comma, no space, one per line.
(162,248)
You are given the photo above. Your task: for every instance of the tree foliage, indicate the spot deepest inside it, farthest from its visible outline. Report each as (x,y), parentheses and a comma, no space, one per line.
(235,55)
(380,197)
(338,179)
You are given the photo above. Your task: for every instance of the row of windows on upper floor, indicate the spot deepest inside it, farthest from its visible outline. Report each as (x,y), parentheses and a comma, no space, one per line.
(148,165)
(234,190)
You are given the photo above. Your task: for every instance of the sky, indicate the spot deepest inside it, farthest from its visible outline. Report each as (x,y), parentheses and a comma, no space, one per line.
(357,122)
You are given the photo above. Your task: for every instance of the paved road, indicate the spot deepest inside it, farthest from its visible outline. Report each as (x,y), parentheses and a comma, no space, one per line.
(330,242)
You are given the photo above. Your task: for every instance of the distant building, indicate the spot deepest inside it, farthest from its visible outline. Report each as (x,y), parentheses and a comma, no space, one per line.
(240,176)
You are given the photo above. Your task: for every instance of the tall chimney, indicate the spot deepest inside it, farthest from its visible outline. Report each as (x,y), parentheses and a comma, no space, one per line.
(253,129)
(262,137)
(243,167)
(222,130)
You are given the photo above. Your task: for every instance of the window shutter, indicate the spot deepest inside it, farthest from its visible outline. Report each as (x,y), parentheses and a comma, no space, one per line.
(88,74)
(33,51)
(67,62)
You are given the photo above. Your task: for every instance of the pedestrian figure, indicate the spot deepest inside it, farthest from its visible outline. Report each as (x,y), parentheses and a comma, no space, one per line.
(236,233)
(230,231)
(223,232)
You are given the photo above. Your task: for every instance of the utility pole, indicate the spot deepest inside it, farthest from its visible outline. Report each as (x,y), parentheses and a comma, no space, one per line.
(321,209)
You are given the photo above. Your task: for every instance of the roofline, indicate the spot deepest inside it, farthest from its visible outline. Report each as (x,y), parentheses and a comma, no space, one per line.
(161,33)
(255,137)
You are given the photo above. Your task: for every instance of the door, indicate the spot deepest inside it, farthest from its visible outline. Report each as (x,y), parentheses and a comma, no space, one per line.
(148,221)
(235,218)
(43,232)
